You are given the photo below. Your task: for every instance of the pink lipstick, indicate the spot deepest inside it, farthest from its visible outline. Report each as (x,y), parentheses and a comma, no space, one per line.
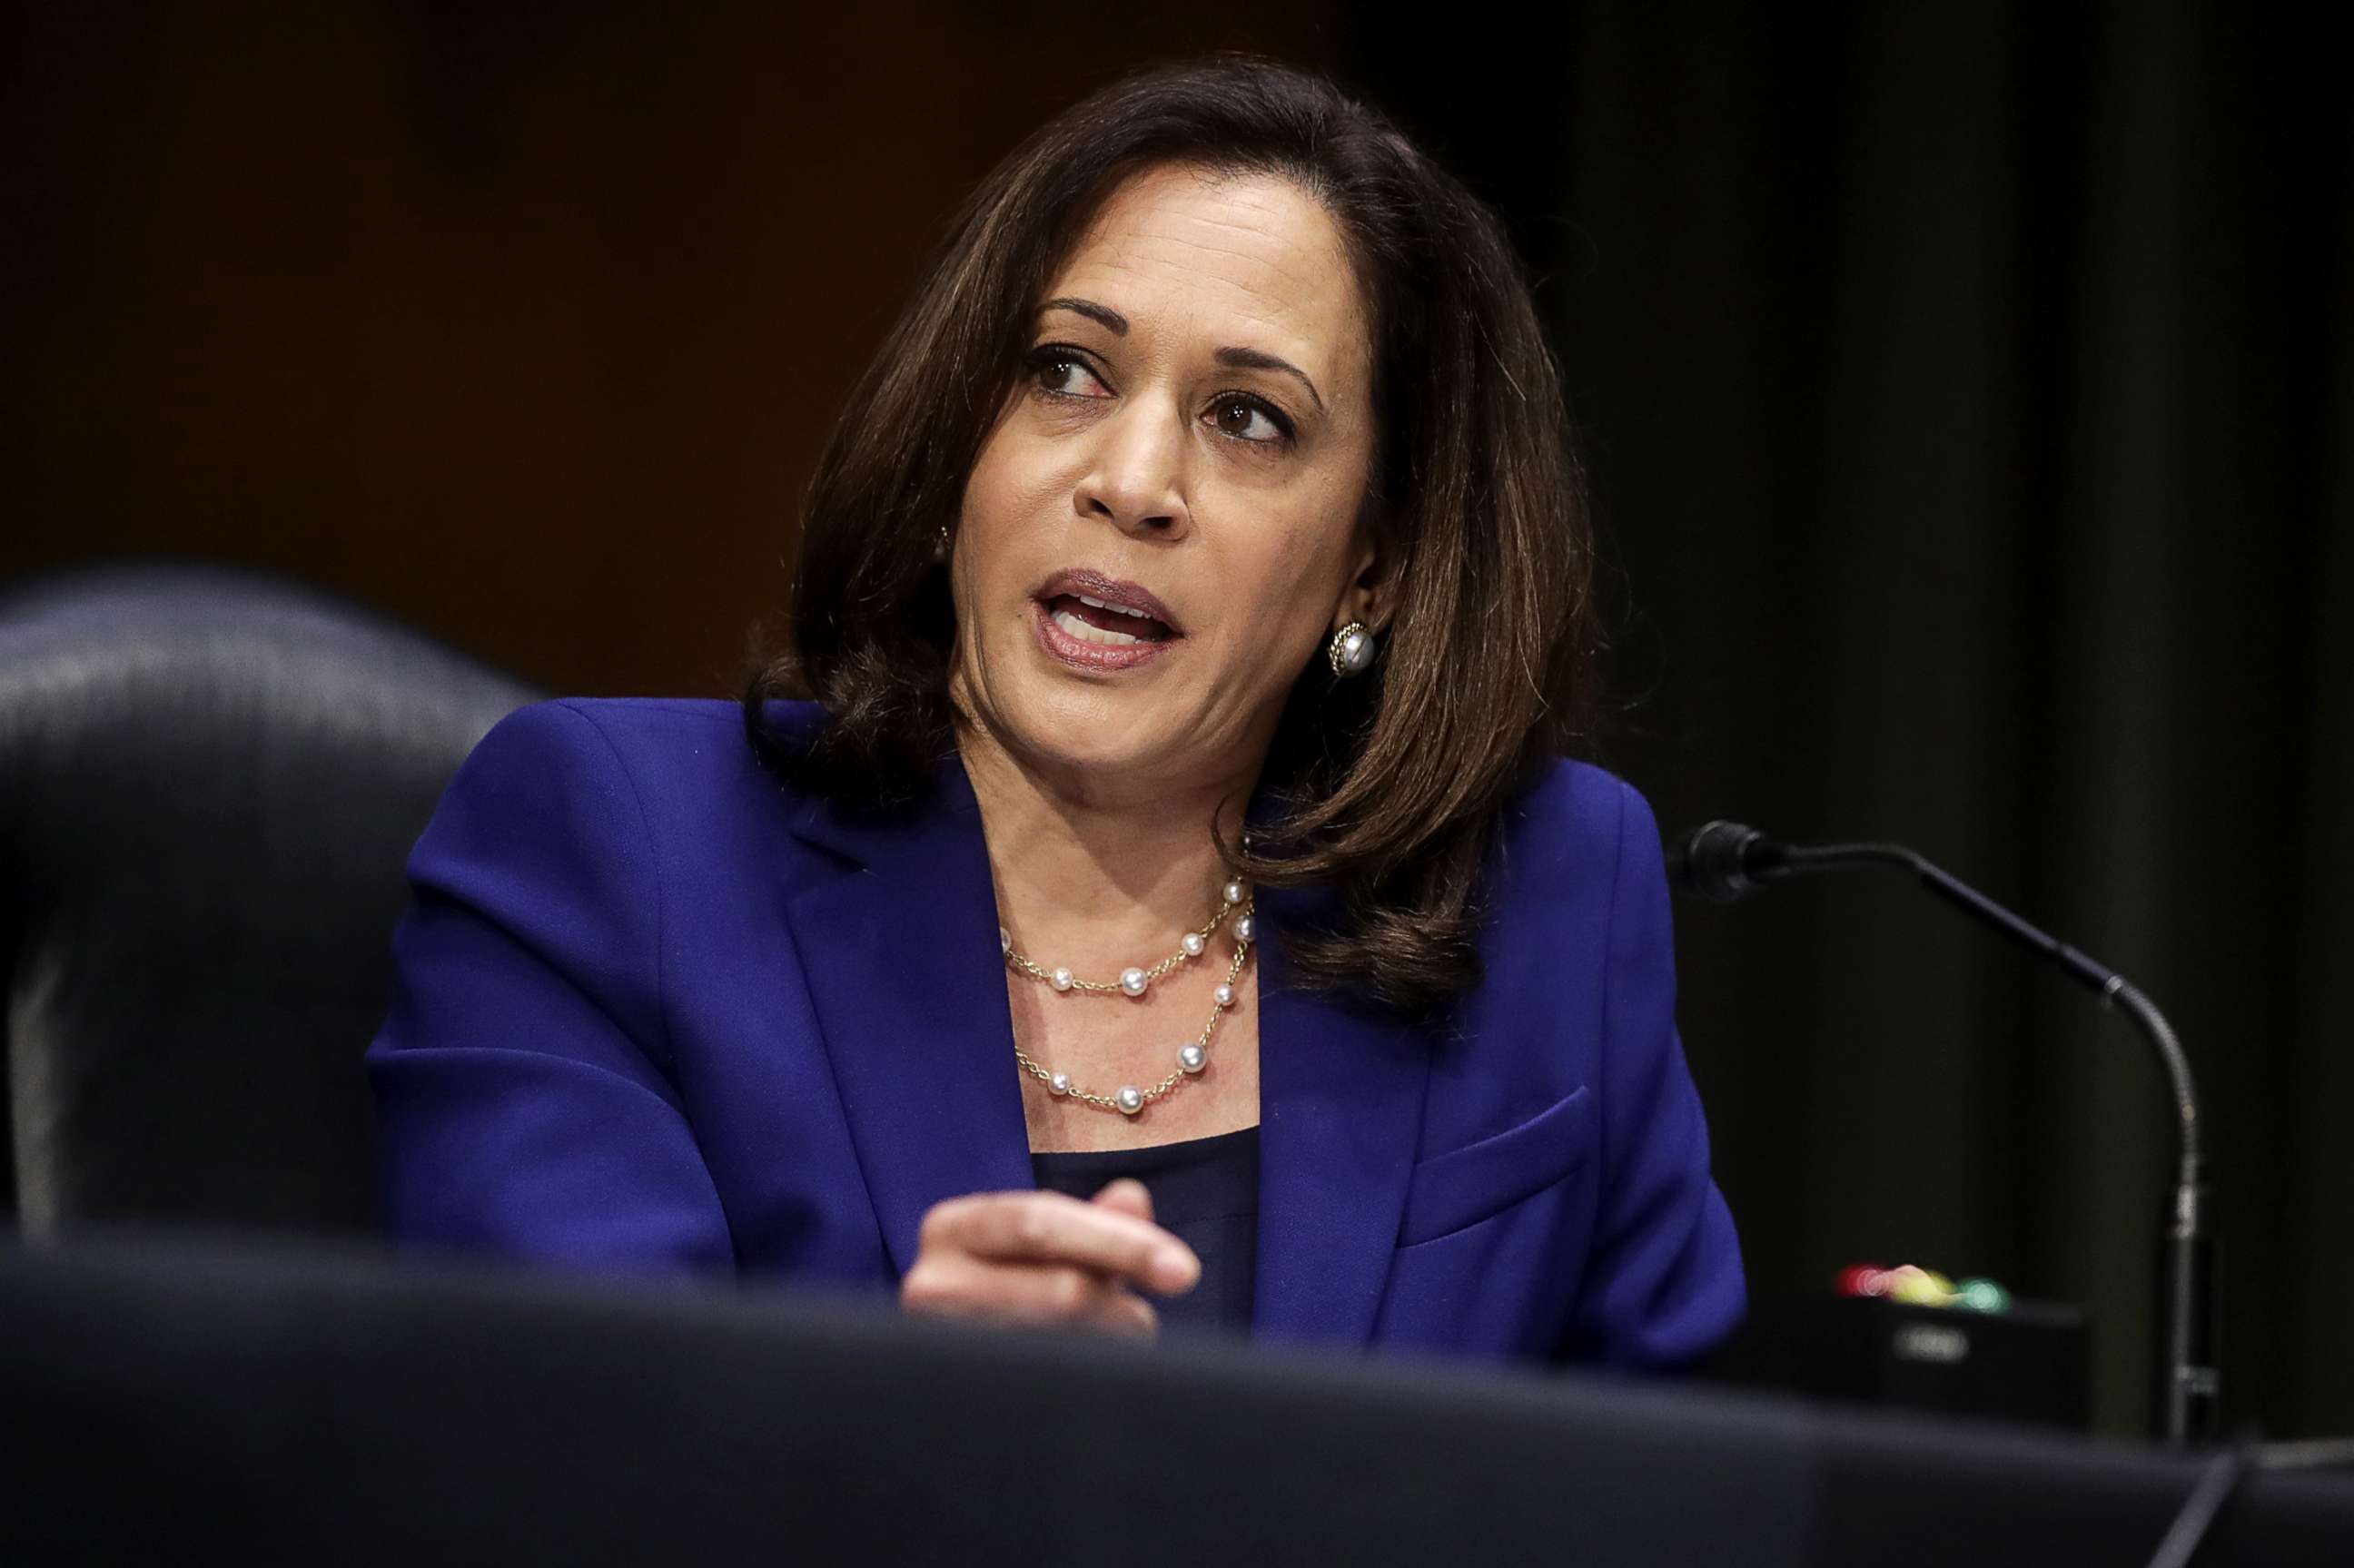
(1099,623)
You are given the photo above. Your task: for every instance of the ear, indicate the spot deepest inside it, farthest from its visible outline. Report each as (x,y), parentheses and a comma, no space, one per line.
(1368,596)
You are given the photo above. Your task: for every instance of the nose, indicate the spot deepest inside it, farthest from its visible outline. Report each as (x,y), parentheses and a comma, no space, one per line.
(1136,481)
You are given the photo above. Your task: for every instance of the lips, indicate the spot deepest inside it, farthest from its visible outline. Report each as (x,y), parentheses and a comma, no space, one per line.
(1098,624)
(1106,611)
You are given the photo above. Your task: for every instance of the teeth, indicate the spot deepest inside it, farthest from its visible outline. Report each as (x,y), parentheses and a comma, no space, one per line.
(1086,634)
(1101,604)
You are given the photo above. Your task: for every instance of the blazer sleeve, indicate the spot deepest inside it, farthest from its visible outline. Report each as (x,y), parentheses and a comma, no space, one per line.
(525,1102)
(1663,1283)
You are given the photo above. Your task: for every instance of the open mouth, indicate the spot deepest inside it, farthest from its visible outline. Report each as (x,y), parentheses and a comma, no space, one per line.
(1105,625)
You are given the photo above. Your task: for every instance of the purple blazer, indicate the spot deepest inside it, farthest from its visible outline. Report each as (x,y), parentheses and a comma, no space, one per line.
(655,1012)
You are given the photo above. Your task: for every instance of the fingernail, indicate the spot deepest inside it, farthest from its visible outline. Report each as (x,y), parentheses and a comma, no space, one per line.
(1175,1268)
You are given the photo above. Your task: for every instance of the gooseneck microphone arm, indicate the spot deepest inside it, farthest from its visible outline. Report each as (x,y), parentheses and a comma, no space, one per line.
(1725,860)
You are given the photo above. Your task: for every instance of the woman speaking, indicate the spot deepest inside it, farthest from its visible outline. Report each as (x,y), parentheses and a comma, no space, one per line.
(1152,889)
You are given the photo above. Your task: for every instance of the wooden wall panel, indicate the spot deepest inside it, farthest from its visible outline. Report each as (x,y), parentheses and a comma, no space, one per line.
(525,327)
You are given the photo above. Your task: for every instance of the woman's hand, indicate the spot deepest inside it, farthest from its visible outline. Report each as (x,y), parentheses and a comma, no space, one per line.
(1047,1258)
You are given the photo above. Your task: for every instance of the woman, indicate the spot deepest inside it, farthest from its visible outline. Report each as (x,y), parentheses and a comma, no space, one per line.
(1174,904)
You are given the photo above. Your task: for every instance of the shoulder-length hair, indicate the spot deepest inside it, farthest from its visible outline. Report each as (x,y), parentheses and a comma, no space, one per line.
(1389,786)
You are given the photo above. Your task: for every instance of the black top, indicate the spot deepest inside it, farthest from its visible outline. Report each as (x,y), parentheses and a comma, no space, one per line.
(1205,1193)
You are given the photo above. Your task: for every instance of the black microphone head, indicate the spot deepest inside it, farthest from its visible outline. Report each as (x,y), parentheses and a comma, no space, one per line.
(1712,860)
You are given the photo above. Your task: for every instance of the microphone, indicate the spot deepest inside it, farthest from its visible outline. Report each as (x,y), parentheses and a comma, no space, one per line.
(1716,862)
(1725,860)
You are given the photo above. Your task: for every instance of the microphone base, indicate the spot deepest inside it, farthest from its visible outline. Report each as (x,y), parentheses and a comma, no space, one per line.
(2031,1364)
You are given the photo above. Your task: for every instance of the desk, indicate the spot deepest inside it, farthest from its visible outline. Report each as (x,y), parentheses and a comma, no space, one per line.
(168,1399)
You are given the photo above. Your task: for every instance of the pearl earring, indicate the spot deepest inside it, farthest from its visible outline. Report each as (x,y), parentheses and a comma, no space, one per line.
(940,545)
(1352,651)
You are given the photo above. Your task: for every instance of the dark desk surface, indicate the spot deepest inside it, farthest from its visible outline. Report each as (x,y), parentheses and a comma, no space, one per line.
(167,1400)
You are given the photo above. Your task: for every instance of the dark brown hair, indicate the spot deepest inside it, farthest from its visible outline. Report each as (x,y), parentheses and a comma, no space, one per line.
(1390,784)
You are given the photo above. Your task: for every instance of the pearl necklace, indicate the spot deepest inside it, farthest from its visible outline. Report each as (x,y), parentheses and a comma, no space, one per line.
(1191,1056)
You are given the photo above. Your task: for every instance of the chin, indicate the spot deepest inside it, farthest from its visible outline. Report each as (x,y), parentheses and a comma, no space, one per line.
(1100,730)
(1111,730)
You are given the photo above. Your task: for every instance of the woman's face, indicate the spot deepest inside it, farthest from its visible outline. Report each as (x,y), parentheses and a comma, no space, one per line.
(1192,439)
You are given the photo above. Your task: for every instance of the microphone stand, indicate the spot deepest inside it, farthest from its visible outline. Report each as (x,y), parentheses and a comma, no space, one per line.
(2188,1386)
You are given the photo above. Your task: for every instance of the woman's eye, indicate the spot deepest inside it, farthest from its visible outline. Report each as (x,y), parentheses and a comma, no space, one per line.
(1248,419)
(1066,374)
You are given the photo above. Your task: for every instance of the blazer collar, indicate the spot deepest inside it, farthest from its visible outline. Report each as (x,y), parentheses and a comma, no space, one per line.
(907,979)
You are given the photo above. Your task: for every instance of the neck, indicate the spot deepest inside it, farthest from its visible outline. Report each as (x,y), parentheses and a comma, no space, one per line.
(1094,872)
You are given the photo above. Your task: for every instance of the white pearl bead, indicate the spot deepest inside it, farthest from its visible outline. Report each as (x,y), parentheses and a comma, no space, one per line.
(1130,1100)
(1245,928)
(1223,996)
(1193,944)
(1060,1084)
(1234,892)
(1005,940)
(1132,981)
(1060,980)
(1192,1058)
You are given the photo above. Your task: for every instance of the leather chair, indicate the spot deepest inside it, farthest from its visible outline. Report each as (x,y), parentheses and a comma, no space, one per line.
(209,783)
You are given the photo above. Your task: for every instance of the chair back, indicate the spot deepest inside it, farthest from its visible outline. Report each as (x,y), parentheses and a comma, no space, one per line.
(209,784)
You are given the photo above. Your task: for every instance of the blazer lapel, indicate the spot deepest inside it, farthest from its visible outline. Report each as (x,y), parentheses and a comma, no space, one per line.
(903,969)
(905,973)
(1341,1104)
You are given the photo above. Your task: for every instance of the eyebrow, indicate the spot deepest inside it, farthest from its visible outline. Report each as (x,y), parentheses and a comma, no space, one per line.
(1112,321)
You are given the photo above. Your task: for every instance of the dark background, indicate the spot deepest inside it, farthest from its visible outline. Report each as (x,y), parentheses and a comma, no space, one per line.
(1970,389)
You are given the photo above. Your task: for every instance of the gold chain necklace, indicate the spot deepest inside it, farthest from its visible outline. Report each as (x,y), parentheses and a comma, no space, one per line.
(1191,1056)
